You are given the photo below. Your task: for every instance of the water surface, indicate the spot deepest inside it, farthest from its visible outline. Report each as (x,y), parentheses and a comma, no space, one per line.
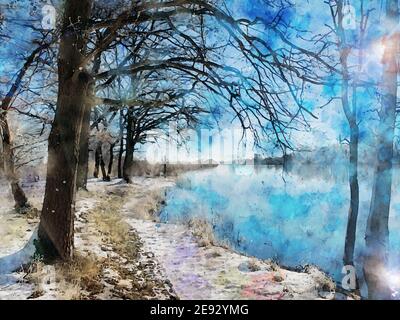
(295,217)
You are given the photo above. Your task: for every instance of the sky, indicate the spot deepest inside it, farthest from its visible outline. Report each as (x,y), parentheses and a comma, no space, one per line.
(330,127)
(311,15)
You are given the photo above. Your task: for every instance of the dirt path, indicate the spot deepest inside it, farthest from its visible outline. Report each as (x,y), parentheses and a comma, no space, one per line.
(110,260)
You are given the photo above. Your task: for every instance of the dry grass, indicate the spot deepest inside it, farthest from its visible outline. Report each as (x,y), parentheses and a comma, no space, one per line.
(134,281)
(74,280)
(35,275)
(111,224)
(202,231)
(30,212)
(323,282)
(274,265)
(254,265)
(80,278)
(150,204)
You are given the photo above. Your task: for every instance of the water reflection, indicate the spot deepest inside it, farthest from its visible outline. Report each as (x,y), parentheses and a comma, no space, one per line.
(296,215)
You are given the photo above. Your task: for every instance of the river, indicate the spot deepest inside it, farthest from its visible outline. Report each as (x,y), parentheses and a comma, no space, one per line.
(295,217)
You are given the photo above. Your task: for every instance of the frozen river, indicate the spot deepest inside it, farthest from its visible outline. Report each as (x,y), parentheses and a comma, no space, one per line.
(296,218)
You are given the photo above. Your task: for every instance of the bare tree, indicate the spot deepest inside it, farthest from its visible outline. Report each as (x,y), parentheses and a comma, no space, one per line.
(349,86)
(20,198)
(377,233)
(142,121)
(154,40)
(57,218)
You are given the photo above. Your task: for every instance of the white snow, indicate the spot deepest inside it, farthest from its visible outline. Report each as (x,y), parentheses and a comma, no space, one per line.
(16,249)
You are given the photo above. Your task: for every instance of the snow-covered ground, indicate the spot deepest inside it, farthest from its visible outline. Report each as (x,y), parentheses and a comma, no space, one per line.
(119,278)
(16,248)
(170,254)
(217,273)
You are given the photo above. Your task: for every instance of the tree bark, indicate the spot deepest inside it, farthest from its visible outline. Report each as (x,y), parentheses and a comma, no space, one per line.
(351,116)
(100,164)
(103,165)
(20,198)
(111,161)
(128,162)
(97,160)
(377,233)
(83,164)
(121,143)
(56,229)
(351,230)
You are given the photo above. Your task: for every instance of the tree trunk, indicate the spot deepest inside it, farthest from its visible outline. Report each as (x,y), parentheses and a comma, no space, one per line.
(128,162)
(351,116)
(103,165)
(56,229)
(20,198)
(111,161)
(121,143)
(100,164)
(120,155)
(97,153)
(7,159)
(351,231)
(83,164)
(377,233)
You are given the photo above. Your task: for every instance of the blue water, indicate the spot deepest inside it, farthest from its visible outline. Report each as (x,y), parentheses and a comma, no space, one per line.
(295,218)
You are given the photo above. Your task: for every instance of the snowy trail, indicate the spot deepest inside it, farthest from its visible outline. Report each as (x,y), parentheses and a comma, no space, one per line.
(214,272)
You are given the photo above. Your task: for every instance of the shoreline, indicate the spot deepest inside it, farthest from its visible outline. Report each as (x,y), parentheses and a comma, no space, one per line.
(167,261)
(209,271)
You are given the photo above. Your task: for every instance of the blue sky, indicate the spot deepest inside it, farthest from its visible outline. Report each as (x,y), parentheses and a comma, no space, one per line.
(312,16)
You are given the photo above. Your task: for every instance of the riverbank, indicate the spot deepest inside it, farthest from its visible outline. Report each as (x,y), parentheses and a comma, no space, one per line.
(124,252)
(200,270)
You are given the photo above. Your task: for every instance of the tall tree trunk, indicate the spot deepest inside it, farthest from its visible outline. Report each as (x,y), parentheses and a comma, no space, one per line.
(120,155)
(377,233)
(83,164)
(1,159)
(56,229)
(97,160)
(20,198)
(351,230)
(8,156)
(103,165)
(351,116)
(111,161)
(121,143)
(128,162)
(99,163)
